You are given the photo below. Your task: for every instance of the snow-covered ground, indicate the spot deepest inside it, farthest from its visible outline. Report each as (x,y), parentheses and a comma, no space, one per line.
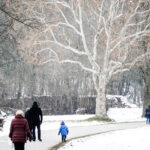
(116,114)
(125,114)
(130,139)
(53,122)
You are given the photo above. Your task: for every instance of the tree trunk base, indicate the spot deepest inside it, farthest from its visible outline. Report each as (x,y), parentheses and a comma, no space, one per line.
(105,119)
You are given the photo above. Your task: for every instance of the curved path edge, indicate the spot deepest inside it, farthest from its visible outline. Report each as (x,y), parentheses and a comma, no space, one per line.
(136,124)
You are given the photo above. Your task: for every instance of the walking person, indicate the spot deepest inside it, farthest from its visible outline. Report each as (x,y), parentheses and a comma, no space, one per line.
(147,114)
(63,131)
(19,129)
(36,120)
(28,117)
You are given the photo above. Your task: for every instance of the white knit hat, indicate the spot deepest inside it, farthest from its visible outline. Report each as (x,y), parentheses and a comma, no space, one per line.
(20,112)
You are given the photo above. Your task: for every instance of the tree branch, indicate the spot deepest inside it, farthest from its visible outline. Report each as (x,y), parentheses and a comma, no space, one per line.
(80,64)
(15,18)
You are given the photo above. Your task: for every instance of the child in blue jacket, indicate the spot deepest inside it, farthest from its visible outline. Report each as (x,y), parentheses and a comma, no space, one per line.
(63,131)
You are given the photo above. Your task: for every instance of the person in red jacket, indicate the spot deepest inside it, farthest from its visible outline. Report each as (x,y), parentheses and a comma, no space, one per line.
(19,131)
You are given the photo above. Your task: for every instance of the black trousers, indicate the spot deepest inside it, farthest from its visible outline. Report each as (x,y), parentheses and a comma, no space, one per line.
(38,130)
(19,145)
(63,138)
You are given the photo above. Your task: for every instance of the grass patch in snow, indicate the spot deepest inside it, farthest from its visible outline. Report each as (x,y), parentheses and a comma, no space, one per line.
(98,119)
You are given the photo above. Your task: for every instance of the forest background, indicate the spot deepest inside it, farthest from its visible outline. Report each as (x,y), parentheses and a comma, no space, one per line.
(70,54)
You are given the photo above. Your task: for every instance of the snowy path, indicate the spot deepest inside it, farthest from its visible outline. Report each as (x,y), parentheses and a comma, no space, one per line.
(50,137)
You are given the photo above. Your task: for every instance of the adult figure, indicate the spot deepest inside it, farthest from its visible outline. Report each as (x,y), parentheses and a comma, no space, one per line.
(28,117)
(36,120)
(147,114)
(19,129)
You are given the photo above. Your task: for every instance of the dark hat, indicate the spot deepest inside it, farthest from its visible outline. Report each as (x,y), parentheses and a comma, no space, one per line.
(35,103)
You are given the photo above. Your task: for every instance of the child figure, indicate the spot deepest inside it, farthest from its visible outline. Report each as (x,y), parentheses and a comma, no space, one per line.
(63,131)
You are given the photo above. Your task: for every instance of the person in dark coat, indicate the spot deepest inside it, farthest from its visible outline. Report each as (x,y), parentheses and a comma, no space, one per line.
(28,117)
(36,120)
(147,114)
(19,128)
(63,130)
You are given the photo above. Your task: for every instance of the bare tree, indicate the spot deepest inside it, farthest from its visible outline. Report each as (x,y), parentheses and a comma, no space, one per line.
(13,13)
(102,37)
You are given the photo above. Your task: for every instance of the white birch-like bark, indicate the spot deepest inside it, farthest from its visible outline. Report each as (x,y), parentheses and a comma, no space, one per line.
(101,98)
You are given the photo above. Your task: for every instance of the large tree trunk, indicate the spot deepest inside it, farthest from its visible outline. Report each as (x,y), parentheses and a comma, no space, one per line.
(101,100)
